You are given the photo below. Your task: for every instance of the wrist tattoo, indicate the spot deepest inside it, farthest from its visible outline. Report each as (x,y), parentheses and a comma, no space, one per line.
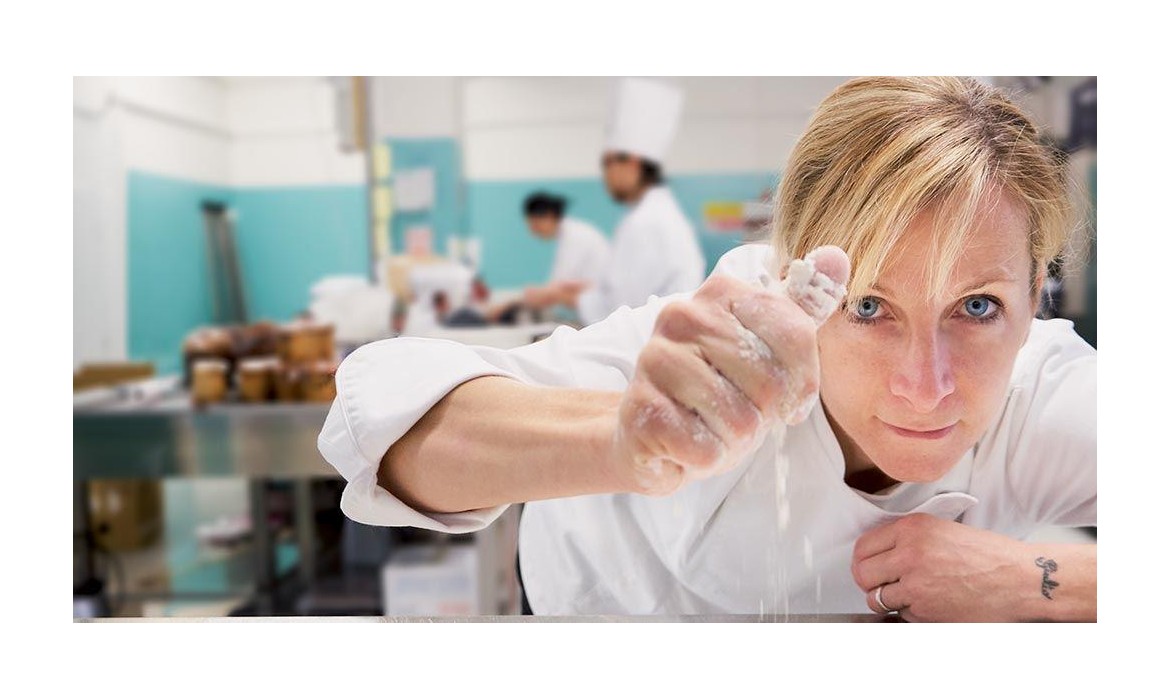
(1047,583)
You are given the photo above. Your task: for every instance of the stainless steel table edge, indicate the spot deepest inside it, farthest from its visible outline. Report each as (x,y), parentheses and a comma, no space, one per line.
(827,618)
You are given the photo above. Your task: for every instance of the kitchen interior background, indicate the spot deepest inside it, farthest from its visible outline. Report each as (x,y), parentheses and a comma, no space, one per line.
(325,177)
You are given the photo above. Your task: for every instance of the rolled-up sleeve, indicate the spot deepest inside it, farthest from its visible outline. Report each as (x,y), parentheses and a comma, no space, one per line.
(385,387)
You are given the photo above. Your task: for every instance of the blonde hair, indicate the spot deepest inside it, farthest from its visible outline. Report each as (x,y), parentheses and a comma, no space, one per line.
(879,151)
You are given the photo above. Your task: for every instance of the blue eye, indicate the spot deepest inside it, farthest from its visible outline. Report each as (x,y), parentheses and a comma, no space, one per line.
(980,307)
(867,307)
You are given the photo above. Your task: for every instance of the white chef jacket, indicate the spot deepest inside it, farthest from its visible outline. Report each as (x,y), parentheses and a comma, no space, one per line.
(582,253)
(655,253)
(775,534)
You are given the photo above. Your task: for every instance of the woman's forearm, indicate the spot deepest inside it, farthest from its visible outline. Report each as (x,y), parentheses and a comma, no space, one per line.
(493,441)
(1064,582)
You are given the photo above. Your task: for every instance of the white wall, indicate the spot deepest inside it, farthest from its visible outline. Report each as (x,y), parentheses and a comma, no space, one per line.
(284,132)
(526,127)
(172,126)
(168,126)
(99,260)
(515,128)
(512,128)
(425,107)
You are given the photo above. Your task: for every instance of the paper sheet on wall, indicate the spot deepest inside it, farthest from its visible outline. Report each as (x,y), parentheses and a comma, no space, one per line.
(381,154)
(414,190)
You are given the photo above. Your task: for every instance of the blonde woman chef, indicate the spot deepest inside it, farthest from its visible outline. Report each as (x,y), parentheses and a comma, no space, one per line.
(719,452)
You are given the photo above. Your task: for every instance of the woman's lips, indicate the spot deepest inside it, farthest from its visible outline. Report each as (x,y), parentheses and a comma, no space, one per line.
(938,434)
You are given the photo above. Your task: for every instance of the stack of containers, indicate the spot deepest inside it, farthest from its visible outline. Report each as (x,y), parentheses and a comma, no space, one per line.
(263,362)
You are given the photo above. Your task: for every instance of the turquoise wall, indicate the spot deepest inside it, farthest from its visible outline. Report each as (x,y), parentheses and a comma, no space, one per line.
(446,217)
(692,191)
(287,238)
(513,257)
(290,237)
(167,288)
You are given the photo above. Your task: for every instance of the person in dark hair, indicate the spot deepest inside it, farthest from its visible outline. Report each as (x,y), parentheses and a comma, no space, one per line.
(544,204)
(627,176)
(582,257)
(655,249)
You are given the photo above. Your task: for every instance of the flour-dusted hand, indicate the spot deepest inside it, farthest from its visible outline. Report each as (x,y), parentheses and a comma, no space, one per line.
(721,367)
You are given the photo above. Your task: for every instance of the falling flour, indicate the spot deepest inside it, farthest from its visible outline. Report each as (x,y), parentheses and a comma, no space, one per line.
(819,295)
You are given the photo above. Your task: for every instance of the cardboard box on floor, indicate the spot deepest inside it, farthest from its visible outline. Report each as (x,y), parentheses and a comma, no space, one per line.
(125,514)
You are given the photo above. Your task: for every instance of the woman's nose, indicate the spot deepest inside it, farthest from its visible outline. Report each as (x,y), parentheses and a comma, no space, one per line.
(923,375)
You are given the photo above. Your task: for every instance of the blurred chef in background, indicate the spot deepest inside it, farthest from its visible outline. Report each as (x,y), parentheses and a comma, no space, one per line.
(655,248)
(583,253)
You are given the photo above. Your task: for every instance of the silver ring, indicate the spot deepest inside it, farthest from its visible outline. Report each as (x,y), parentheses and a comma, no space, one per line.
(877,595)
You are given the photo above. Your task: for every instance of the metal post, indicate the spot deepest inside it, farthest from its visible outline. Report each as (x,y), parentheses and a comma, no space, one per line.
(264,553)
(365,85)
(487,566)
(81,529)
(306,530)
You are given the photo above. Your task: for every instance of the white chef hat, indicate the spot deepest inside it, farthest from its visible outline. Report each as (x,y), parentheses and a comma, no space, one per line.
(644,118)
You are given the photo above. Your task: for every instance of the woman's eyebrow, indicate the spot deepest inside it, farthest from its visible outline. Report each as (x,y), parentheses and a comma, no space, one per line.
(969,288)
(987,282)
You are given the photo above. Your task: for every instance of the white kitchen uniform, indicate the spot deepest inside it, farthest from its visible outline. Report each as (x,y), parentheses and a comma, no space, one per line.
(655,249)
(582,253)
(733,543)
(655,253)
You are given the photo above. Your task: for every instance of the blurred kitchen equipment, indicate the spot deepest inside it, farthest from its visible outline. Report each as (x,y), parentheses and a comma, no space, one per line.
(358,310)
(451,278)
(301,341)
(226,283)
(209,380)
(289,383)
(202,343)
(256,378)
(431,580)
(318,381)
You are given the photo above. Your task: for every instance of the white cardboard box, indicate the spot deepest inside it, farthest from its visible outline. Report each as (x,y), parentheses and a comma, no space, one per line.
(431,580)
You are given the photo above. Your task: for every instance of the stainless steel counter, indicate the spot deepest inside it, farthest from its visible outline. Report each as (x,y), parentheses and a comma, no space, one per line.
(167,436)
(531,618)
(149,429)
(153,431)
